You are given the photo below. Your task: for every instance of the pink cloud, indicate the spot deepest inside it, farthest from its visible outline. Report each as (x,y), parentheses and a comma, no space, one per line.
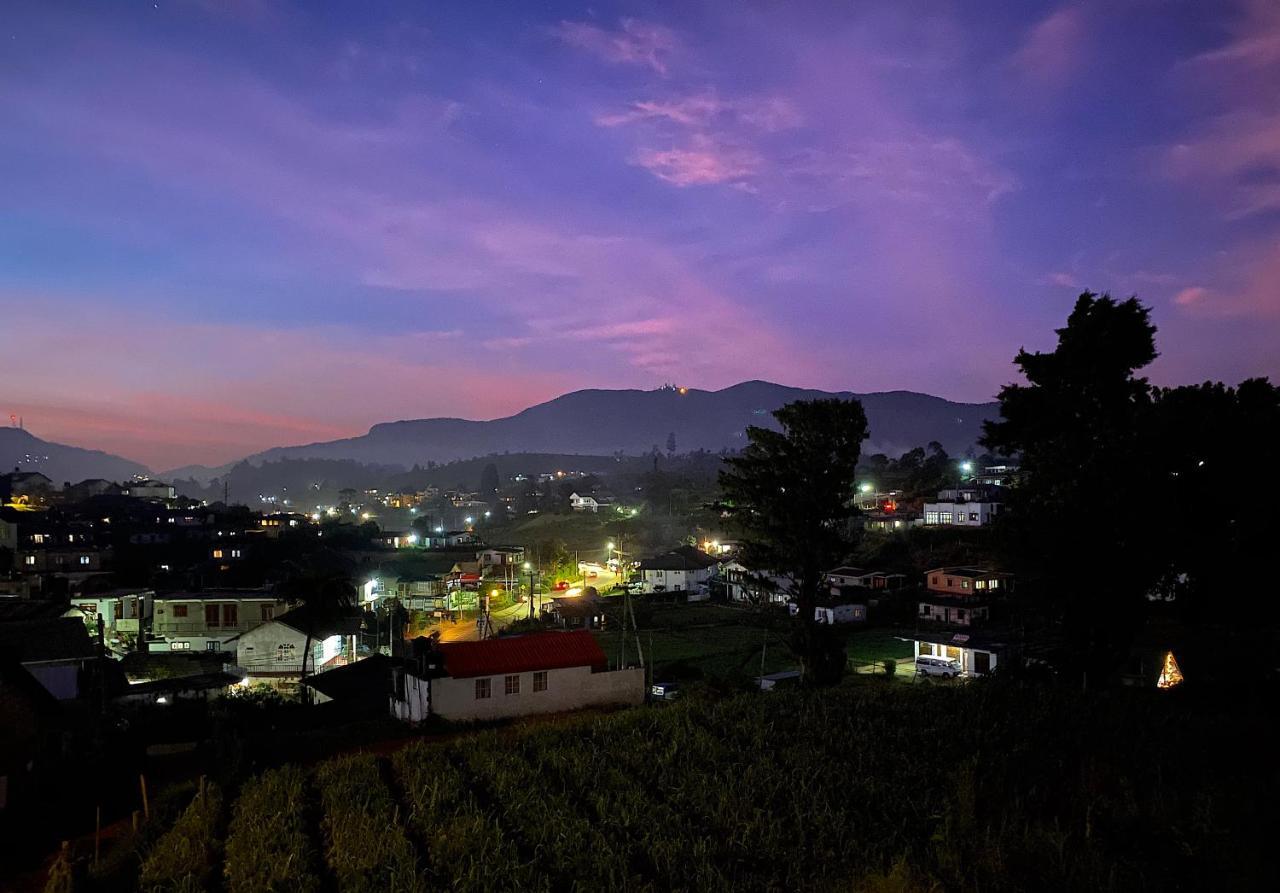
(701,110)
(702,163)
(1053,50)
(636,43)
(1189,296)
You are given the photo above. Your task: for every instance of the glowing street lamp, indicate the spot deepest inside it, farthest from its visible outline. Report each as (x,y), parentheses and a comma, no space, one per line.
(966,467)
(866,488)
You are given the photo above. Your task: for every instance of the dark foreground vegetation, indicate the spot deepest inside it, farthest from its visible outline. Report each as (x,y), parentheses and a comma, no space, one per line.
(999,785)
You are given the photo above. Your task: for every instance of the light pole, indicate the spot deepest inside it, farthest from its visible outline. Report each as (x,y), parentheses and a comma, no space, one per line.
(529,567)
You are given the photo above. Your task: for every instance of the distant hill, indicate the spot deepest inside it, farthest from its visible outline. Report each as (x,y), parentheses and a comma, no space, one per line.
(601,422)
(60,463)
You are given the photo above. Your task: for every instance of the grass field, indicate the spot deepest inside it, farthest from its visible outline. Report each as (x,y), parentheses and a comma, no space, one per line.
(997,785)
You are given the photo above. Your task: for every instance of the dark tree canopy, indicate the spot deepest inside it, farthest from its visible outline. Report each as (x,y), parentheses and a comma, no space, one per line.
(490,482)
(790,497)
(1080,528)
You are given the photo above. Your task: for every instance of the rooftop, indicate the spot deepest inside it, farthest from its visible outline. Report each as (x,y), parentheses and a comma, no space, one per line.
(522,654)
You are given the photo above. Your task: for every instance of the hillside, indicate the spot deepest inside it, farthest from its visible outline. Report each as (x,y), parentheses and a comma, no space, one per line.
(875,786)
(601,422)
(61,463)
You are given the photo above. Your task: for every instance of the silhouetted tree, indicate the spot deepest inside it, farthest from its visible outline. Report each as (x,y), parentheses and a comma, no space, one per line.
(790,496)
(671,444)
(324,591)
(1080,529)
(489,481)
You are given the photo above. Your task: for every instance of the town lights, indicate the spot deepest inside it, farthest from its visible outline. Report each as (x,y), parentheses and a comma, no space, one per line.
(609,546)
(468,519)
(966,467)
(866,488)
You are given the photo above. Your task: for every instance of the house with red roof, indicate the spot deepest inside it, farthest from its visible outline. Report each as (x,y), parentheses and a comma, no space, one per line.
(545,672)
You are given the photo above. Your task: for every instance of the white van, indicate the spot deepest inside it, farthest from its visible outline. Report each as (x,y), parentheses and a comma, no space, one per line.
(937,666)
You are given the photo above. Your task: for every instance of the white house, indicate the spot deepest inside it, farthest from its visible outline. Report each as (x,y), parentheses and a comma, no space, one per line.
(536,673)
(978,654)
(209,620)
(378,685)
(968,507)
(862,578)
(273,651)
(586,503)
(745,585)
(685,569)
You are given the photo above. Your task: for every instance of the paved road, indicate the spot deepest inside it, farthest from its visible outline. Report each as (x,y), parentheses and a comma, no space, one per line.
(465,630)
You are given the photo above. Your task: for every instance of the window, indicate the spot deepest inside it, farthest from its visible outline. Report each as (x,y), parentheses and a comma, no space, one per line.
(484,689)
(993,584)
(179,646)
(268,612)
(235,553)
(179,610)
(973,516)
(933,581)
(512,685)
(981,584)
(213,646)
(37,538)
(217,553)
(944,518)
(964,584)
(30,560)
(230,615)
(931,517)
(84,559)
(211,615)
(540,681)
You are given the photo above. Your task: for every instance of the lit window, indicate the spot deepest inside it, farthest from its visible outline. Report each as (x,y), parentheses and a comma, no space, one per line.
(931,517)
(217,553)
(484,689)
(944,518)
(37,538)
(981,584)
(84,559)
(31,560)
(235,553)
(993,584)
(964,584)
(540,681)
(512,685)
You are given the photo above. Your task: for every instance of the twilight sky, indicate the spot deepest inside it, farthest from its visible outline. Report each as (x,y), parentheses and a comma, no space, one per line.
(232,224)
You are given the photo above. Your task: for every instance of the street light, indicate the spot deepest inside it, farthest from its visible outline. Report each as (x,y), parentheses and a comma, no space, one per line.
(866,488)
(529,567)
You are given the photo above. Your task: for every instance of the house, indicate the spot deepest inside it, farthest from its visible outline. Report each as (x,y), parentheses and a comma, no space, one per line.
(211,620)
(589,503)
(685,569)
(522,675)
(169,690)
(377,685)
(149,489)
(124,613)
(978,653)
(87,489)
(500,558)
(963,507)
(967,581)
(54,651)
(755,587)
(585,611)
(861,578)
(847,612)
(397,539)
(447,539)
(273,651)
(965,610)
(26,488)
(891,522)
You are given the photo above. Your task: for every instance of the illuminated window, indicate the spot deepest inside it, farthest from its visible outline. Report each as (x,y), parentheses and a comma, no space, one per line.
(84,559)
(512,685)
(931,517)
(484,689)
(540,681)
(217,553)
(944,518)
(37,538)
(964,584)
(235,553)
(31,560)
(993,584)
(981,584)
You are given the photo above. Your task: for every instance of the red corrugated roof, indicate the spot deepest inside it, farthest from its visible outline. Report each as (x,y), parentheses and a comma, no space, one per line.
(523,654)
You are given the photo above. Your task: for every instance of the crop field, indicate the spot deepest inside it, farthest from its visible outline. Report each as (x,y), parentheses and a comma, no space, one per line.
(872,786)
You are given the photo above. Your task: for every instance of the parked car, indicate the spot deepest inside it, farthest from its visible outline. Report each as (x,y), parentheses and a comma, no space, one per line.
(938,666)
(561,585)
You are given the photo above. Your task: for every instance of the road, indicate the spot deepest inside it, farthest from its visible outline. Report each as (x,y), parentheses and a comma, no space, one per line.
(465,630)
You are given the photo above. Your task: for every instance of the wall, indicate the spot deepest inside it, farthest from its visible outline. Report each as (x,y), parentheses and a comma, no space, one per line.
(567,689)
(416,705)
(62,680)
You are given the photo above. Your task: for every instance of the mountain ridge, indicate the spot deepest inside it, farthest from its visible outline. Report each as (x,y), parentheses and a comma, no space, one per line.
(598,421)
(60,462)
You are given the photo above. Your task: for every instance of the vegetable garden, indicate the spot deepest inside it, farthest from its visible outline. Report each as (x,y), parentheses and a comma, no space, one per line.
(992,786)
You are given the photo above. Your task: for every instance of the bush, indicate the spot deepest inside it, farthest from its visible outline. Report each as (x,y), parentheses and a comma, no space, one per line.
(890,667)
(186,856)
(268,848)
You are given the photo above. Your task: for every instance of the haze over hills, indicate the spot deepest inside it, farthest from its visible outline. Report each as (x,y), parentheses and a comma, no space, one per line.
(60,463)
(603,422)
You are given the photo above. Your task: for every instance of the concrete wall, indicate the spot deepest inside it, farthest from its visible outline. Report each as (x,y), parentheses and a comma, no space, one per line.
(567,689)
(416,704)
